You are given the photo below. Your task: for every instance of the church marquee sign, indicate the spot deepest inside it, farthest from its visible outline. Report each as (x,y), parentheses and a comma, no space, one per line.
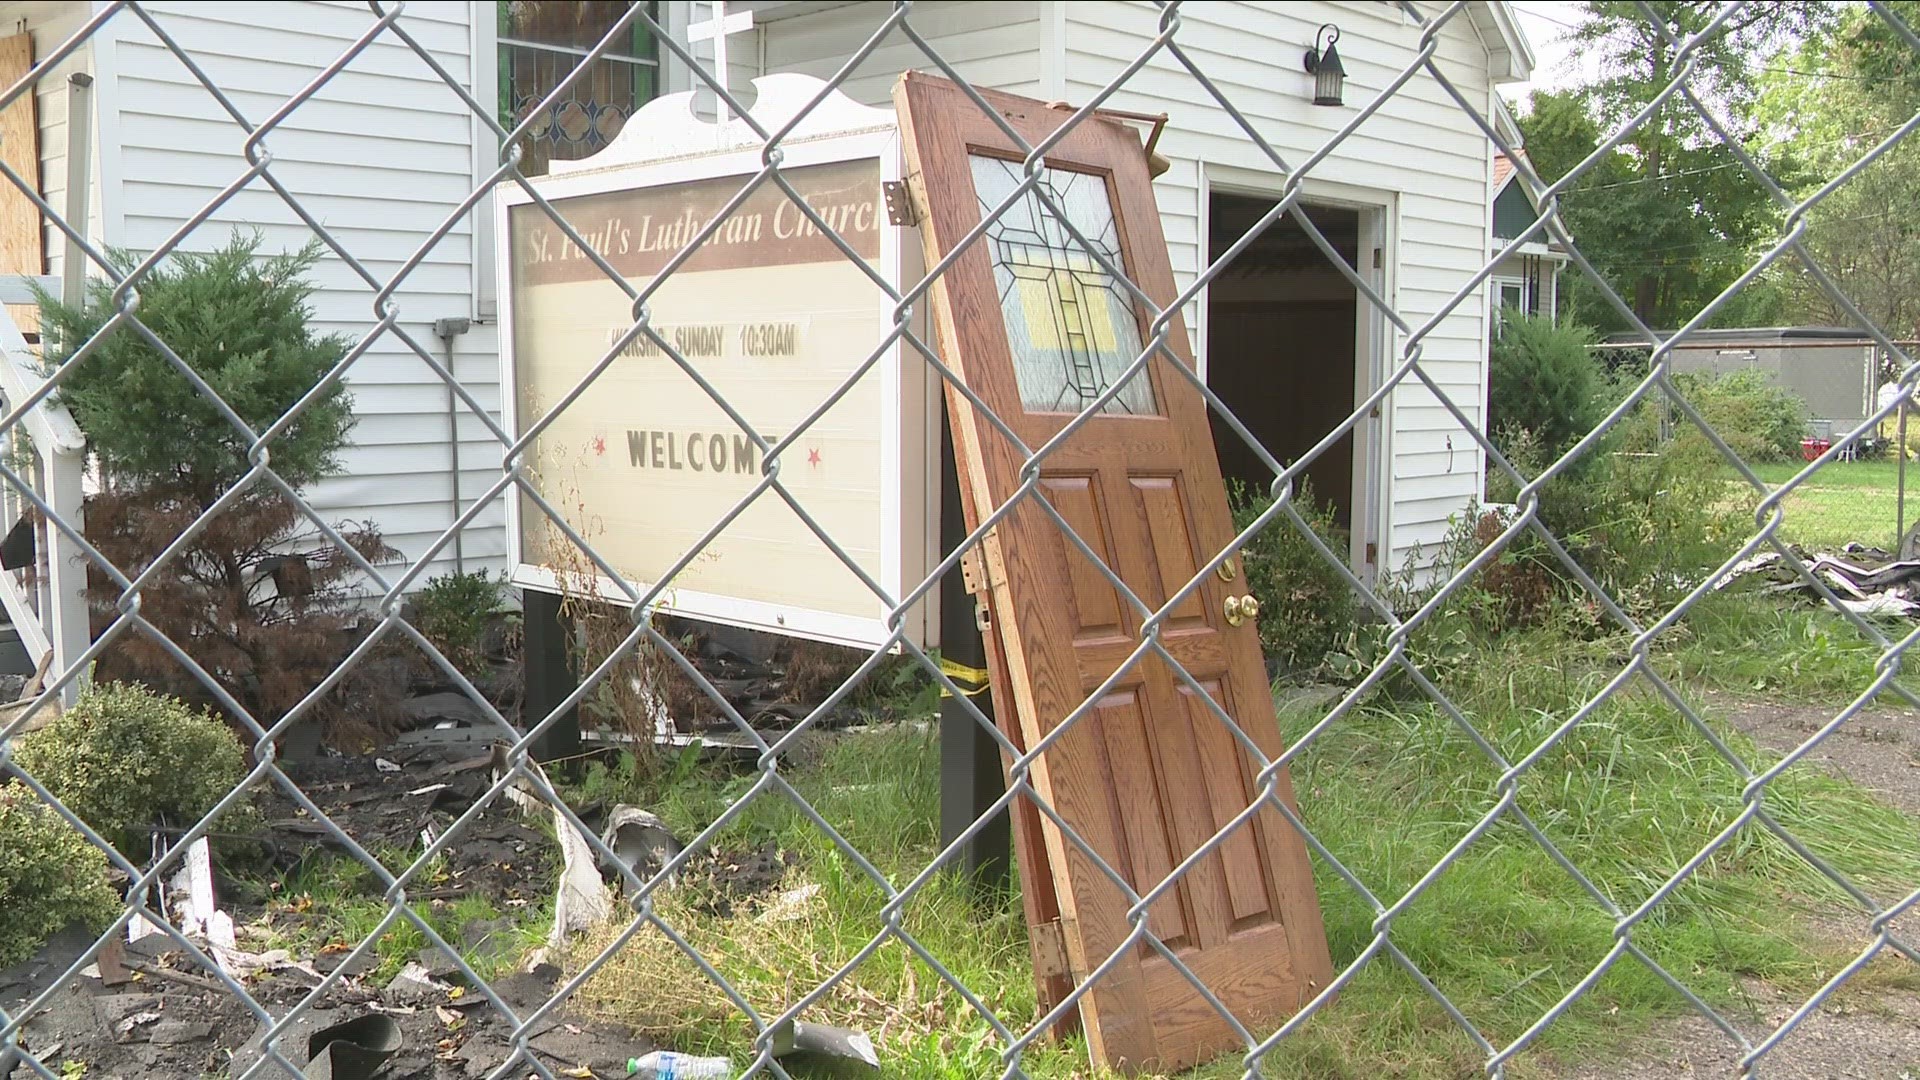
(775,317)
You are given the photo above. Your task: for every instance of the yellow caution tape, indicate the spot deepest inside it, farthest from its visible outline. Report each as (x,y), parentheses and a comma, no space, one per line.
(963,674)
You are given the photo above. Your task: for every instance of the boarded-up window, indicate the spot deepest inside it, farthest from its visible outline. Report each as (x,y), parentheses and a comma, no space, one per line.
(541,43)
(22,246)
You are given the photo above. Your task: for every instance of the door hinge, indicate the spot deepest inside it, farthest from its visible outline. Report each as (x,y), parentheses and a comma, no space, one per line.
(1379,259)
(979,570)
(900,209)
(1049,950)
(972,574)
(1373,554)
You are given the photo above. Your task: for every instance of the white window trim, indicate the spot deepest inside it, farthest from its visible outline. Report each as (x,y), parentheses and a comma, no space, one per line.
(1500,286)
(484,74)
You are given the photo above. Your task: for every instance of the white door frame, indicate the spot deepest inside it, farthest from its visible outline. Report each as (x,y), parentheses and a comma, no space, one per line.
(1371,514)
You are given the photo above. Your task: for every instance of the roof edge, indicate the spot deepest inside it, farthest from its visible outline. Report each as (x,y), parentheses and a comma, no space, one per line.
(1514,57)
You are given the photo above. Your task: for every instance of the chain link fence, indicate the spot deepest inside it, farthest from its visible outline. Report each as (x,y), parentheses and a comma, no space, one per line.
(1014,1039)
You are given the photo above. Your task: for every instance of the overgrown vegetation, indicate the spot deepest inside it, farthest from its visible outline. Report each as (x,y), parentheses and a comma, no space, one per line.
(50,877)
(455,611)
(1307,610)
(1648,509)
(123,758)
(1628,795)
(1760,421)
(259,598)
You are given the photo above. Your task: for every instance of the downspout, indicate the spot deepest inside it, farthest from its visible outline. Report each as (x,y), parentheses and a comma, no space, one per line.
(446,330)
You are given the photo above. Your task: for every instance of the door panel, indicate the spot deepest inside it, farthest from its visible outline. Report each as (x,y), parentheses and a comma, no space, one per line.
(1147,774)
(1096,603)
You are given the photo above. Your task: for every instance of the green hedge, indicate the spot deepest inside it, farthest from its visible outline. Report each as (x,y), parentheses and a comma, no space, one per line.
(124,755)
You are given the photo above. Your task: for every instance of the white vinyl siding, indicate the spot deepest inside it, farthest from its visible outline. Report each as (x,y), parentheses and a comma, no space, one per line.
(1420,147)
(380,155)
(992,43)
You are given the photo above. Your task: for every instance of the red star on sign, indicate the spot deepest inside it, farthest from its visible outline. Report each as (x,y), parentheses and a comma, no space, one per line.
(813,457)
(599,444)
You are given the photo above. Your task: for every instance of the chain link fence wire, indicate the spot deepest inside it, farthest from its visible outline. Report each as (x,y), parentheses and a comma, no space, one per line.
(1778,502)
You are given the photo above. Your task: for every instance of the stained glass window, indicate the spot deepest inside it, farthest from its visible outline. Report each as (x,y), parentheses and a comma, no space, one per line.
(1070,324)
(541,43)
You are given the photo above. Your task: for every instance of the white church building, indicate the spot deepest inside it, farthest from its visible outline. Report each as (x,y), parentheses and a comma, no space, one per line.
(383,152)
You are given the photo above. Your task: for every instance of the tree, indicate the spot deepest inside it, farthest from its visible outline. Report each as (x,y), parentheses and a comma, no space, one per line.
(240,323)
(1669,217)
(258,597)
(1828,104)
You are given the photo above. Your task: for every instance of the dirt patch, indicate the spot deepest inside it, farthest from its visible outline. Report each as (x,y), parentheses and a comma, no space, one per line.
(391,811)
(1872,1039)
(1879,749)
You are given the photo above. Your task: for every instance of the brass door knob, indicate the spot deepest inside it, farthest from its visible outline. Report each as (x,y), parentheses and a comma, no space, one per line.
(1241,608)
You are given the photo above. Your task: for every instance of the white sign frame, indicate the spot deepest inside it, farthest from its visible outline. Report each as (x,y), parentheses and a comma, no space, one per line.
(680,147)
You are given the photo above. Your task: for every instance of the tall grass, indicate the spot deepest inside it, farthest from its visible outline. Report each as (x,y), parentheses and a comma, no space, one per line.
(1628,796)
(1780,647)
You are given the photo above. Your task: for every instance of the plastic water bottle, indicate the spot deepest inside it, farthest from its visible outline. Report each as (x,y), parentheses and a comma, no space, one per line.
(667,1065)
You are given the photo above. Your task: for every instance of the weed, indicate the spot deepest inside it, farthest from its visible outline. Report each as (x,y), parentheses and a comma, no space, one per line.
(453,611)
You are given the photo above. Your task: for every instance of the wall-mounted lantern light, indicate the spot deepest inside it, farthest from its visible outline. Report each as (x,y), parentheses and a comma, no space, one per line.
(1329,78)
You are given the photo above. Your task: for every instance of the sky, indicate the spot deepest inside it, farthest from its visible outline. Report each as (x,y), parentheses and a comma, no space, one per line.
(1547,24)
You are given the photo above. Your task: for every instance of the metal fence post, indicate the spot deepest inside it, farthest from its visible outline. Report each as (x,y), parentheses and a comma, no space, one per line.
(1900,499)
(971,773)
(551,678)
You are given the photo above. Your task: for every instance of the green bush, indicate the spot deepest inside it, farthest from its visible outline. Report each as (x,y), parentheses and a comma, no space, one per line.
(454,610)
(1306,608)
(50,877)
(124,755)
(1542,379)
(1759,419)
(1646,519)
(241,323)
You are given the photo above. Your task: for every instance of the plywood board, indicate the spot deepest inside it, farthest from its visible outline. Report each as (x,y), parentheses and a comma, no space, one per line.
(22,239)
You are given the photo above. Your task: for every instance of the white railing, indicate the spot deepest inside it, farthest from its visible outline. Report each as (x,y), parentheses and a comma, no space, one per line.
(47,451)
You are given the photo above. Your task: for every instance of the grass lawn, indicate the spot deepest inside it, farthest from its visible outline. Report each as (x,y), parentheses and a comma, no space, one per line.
(1845,502)
(1629,796)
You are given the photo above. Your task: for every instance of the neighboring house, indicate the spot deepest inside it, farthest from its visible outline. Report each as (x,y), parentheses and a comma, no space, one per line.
(383,153)
(1527,277)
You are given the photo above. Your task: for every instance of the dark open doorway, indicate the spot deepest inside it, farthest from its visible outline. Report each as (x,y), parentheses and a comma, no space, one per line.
(1282,324)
